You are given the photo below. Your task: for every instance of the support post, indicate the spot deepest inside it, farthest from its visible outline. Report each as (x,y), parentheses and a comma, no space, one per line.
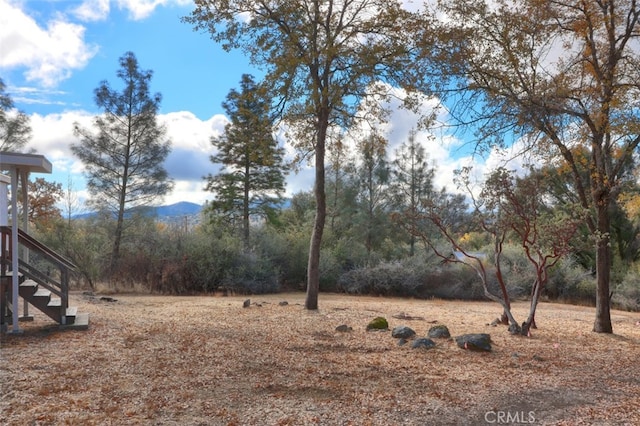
(15,327)
(4,279)
(24,181)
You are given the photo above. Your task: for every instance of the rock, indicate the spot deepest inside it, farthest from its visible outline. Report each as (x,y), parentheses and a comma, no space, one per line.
(402,342)
(475,342)
(423,342)
(403,332)
(378,323)
(439,332)
(283,303)
(403,316)
(246,303)
(344,328)
(108,299)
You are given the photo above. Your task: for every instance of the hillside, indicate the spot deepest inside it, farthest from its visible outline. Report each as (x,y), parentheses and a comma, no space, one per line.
(180,209)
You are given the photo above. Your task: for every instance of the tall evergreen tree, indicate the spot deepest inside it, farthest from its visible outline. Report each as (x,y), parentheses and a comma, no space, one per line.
(124,158)
(411,180)
(252,179)
(14,125)
(372,179)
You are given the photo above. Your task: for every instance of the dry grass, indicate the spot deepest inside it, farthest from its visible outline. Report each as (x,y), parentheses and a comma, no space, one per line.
(153,360)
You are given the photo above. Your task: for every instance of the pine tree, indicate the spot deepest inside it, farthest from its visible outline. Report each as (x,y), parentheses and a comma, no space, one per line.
(124,158)
(252,179)
(412,180)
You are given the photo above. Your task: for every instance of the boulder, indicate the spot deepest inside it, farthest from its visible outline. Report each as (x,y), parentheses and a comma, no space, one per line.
(475,342)
(378,323)
(344,328)
(423,342)
(439,332)
(403,332)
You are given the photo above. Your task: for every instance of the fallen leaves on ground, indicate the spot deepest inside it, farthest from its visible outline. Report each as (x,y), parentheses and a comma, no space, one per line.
(205,360)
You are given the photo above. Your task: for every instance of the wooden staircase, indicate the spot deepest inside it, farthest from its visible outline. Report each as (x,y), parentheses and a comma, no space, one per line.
(43,282)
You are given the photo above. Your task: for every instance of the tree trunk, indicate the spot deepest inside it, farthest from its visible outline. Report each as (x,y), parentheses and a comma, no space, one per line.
(115,253)
(245,204)
(313,267)
(603,272)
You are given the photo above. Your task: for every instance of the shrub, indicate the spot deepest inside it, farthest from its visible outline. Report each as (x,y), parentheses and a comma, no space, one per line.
(251,274)
(626,295)
(414,277)
(569,282)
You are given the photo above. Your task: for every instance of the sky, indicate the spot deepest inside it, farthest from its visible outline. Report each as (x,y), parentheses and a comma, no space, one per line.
(54,53)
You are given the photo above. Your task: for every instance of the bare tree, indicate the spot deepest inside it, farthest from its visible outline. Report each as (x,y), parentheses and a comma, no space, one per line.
(507,207)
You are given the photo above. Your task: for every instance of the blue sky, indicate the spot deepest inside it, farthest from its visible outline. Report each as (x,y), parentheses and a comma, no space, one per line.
(190,70)
(53,54)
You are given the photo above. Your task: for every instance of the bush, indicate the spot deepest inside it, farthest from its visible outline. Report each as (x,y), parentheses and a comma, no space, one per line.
(570,283)
(626,295)
(287,252)
(414,277)
(251,274)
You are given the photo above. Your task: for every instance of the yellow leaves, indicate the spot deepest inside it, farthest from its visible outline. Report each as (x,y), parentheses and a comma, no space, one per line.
(631,205)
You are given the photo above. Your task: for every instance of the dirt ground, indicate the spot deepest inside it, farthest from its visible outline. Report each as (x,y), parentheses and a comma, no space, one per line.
(158,360)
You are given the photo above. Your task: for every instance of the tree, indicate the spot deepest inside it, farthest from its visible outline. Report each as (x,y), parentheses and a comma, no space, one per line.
(508,207)
(14,125)
(251,181)
(322,58)
(560,74)
(544,232)
(339,167)
(372,178)
(124,159)
(43,197)
(412,179)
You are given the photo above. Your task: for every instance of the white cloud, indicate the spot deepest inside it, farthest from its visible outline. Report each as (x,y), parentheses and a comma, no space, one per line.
(188,162)
(49,53)
(93,10)
(141,9)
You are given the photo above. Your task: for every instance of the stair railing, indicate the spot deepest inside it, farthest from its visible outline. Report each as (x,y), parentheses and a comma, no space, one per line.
(39,256)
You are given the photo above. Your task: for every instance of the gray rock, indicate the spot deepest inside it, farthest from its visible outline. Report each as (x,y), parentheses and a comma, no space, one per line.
(246,303)
(403,332)
(475,342)
(344,328)
(423,342)
(439,332)
(283,303)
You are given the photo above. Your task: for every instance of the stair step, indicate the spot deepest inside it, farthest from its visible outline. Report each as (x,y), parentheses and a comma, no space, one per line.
(55,302)
(29,286)
(72,311)
(81,322)
(42,292)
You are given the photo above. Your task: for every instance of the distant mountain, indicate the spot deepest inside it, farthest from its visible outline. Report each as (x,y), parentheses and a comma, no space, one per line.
(183,208)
